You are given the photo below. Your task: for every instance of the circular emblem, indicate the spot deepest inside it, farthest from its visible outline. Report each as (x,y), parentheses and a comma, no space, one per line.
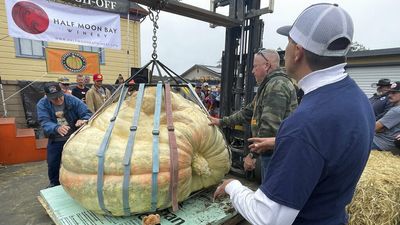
(30,17)
(74,62)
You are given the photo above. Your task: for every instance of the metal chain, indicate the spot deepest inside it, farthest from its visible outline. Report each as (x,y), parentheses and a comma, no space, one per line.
(154,19)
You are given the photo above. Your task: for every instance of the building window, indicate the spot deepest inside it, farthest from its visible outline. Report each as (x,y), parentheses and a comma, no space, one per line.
(30,48)
(94,49)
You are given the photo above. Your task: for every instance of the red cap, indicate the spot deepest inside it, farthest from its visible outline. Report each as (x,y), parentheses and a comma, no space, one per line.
(97,77)
(132,82)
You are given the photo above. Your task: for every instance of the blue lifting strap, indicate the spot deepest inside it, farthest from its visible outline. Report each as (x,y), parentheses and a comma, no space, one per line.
(156,137)
(102,150)
(129,151)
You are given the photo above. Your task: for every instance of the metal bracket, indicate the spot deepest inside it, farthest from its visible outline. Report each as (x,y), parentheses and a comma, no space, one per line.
(254,13)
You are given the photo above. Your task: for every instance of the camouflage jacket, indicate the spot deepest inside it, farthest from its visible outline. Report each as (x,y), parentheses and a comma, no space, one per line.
(275,100)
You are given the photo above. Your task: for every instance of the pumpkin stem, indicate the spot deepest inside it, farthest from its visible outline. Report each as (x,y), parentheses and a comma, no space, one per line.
(200,165)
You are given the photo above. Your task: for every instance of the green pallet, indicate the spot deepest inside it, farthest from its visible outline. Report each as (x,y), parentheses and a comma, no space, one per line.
(198,210)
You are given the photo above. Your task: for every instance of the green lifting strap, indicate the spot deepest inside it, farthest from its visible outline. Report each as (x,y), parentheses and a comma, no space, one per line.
(129,151)
(102,150)
(156,137)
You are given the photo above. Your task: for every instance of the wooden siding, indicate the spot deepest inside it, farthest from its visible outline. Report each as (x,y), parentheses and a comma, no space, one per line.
(365,76)
(20,68)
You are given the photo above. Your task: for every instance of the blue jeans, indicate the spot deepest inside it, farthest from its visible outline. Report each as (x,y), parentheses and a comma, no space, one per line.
(374,146)
(54,152)
(265,160)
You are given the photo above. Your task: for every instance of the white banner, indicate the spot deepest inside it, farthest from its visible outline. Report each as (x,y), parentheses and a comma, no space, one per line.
(48,21)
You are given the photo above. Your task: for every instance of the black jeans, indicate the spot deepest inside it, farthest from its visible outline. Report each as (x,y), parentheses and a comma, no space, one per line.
(54,152)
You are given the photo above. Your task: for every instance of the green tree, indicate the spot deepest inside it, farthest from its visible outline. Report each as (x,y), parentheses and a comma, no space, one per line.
(355,47)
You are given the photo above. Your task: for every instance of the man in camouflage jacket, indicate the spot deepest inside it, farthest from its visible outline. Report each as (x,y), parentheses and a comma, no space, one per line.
(275,100)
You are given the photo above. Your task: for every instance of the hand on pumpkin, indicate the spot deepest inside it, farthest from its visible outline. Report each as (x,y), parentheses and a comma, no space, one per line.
(63,130)
(249,163)
(261,145)
(220,191)
(214,121)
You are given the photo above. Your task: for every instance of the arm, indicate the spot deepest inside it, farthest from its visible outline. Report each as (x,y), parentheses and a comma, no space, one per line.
(260,145)
(241,117)
(379,126)
(256,207)
(389,120)
(44,118)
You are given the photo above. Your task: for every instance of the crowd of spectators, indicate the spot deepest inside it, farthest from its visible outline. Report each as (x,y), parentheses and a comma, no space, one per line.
(210,97)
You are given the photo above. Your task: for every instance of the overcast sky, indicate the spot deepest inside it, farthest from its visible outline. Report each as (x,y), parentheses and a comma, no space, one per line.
(183,42)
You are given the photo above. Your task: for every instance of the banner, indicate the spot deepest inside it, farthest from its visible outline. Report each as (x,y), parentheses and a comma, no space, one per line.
(72,62)
(48,21)
(116,6)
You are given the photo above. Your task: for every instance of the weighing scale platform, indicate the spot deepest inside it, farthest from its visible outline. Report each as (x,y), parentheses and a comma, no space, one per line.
(197,210)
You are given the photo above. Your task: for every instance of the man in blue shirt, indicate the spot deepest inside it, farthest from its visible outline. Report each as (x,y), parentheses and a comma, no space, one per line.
(59,115)
(380,101)
(388,126)
(322,148)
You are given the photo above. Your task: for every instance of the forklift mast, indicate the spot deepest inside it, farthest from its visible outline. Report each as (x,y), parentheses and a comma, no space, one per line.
(237,81)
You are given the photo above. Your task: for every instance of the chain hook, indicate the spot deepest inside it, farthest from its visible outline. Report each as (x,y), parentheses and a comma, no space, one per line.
(154,19)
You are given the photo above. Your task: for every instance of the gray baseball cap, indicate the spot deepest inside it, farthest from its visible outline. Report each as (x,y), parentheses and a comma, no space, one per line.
(53,90)
(319,27)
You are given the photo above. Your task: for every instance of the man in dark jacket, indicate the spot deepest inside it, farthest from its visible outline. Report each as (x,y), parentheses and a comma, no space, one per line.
(59,115)
(380,101)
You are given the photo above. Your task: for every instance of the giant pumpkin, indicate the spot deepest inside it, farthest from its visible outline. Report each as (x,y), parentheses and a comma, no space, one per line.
(203,157)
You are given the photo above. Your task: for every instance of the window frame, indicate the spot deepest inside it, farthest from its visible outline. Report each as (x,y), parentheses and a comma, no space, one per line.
(102,56)
(18,52)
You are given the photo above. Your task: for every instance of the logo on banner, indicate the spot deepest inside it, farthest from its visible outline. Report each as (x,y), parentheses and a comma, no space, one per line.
(46,20)
(30,17)
(73,62)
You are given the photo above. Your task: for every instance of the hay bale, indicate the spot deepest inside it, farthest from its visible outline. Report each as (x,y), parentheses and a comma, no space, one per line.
(377,197)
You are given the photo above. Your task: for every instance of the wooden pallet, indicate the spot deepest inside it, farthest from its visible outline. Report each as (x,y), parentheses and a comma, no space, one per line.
(198,210)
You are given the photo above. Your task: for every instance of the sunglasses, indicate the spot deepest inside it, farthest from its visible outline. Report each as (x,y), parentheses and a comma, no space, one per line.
(261,51)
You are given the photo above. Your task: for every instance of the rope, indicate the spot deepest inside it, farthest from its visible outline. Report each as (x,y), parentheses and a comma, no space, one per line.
(4,37)
(45,74)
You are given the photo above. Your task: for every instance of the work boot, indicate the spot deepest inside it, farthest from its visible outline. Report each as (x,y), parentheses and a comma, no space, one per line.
(52,185)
